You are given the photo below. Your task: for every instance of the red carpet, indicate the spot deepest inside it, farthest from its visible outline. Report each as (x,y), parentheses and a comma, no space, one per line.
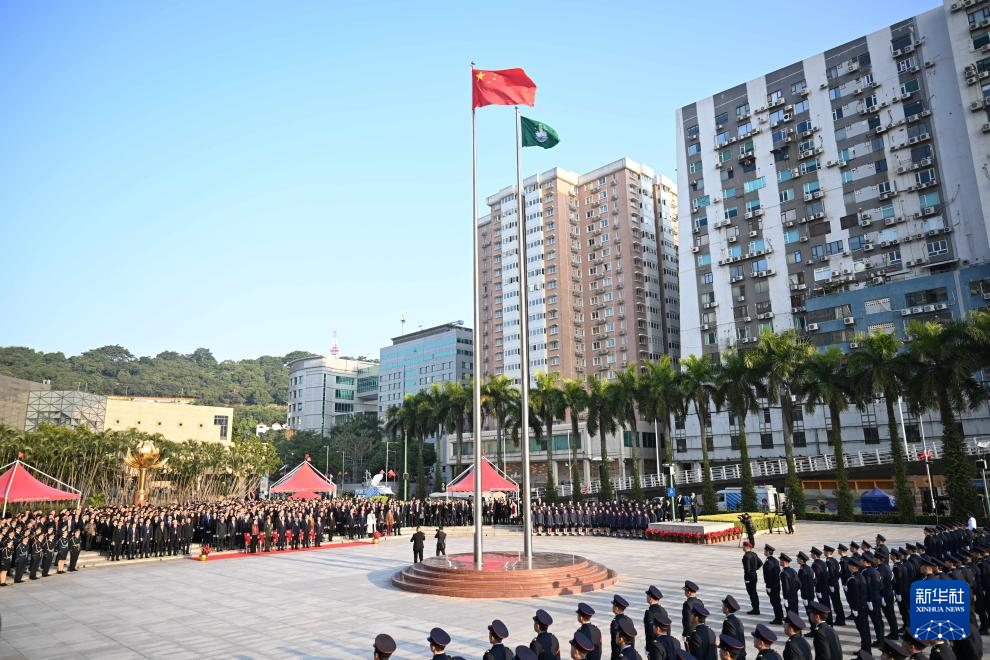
(231,555)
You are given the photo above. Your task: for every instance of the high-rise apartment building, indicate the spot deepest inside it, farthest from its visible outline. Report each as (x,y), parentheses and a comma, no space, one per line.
(603,294)
(845,193)
(602,268)
(325,390)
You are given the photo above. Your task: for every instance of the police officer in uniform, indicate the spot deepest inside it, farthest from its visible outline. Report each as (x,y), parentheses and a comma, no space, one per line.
(763,639)
(545,644)
(653,596)
(825,641)
(701,644)
(384,647)
(664,645)
(497,631)
(730,648)
(581,646)
(627,636)
(771,578)
(438,641)
(690,598)
(796,647)
(834,578)
(731,625)
(858,603)
(751,564)
(789,583)
(619,605)
(589,630)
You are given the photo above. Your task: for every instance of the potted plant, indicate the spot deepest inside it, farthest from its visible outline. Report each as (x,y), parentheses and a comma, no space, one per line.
(204,552)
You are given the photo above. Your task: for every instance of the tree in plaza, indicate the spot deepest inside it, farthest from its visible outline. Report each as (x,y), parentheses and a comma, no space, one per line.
(737,387)
(576,401)
(496,398)
(877,367)
(698,387)
(400,421)
(626,388)
(823,380)
(457,411)
(660,397)
(777,358)
(942,358)
(547,401)
(601,420)
(430,417)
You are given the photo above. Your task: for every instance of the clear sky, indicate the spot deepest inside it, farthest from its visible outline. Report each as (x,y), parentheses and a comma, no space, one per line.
(247,176)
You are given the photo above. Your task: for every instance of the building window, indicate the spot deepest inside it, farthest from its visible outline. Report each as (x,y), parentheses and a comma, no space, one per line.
(871,435)
(798,439)
(223,421)
(766,440)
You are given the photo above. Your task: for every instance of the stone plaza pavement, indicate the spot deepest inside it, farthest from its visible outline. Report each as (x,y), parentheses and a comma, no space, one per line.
(331,603)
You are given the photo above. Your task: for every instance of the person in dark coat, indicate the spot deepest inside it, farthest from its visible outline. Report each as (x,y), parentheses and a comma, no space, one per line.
(763,639)
(75,545)
(806,578)
(619,605)
(61,551)
(419,541)
(545,644)
(653,596)
(664,646)
(627,636)
(690,598)
(701,643)
(589,630)
(581,646)
(731,625)
(796,647)
(497,632)
(771,578)
(823,637)
(789,584)
(751,564)
(35,556)
(22,557)
(441,537)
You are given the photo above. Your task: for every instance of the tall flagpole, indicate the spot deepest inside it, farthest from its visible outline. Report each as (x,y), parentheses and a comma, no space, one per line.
(524,349)
(476,348)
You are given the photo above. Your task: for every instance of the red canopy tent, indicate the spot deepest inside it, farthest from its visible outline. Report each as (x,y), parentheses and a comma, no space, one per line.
(303,478)
(304,495)
(18,485)
(492,480)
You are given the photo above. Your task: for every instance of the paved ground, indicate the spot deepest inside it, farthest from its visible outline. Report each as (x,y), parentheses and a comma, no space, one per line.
(330,603)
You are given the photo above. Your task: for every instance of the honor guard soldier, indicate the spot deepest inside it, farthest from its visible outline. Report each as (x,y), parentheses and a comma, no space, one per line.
(701,643)
(789,583)
(820,570)
(497,632)
(823,637)
(796,647)
(664,646)
(751,564)
(874,594)
(858,603)
(384,647)
(590,630)
(834,581)
(627,636)
(438,641)
(619,605)
(545,644)
(806,579)
(771,578)
(581,646)
(730,648)
(653,596)
(763,639)
(690,598)
(731,625)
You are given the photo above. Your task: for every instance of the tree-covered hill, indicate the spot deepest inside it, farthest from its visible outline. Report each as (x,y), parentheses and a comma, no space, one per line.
(115,370)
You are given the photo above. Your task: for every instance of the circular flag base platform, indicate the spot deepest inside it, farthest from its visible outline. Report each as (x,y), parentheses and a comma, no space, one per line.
(505,575)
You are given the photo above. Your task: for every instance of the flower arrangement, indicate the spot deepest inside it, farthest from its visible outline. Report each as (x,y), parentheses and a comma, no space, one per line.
(204,552)
(377,537)
(693,537)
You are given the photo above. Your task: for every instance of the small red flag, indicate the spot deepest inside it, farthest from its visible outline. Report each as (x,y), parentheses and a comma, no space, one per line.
(391,473)
(503,87)
(20,454)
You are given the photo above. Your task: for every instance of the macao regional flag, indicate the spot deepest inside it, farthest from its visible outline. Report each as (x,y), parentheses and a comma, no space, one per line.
(501,87)
(537,134)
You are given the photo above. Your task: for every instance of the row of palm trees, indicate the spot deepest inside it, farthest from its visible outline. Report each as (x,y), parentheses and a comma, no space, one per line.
(936,369)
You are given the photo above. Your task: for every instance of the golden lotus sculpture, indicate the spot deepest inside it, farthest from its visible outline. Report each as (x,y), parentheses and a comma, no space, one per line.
(142,458)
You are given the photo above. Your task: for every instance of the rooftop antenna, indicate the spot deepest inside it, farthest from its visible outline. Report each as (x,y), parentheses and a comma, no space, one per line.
(334,348)
(402,321)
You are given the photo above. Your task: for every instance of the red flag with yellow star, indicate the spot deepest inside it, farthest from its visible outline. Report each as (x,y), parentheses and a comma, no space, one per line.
(503,87)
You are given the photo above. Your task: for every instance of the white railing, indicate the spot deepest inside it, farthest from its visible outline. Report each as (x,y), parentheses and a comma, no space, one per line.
(778,466)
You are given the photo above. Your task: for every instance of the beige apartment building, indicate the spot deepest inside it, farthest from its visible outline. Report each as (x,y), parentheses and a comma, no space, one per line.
(603,292)
(175,419)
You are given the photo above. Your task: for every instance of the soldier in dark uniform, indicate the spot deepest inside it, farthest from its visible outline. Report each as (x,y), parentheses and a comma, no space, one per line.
(653,596)
(619,605)
(858,599)
(627,636)
(833,578)
(820,570)
(751,564)
(581,646)
(590,630)
(701,643)
(886,592)
(438,641)
(419,541)
(75,545)
(763,639)
(36,553)
(789,583)
(441,537)
(497,631)
(664,646)
(47,553)
(825,641)
(874,595)
(545,644)
(771,578)
(384,647)
(797,647)
(690,598)
(22,557)
(731,625)
(806,579)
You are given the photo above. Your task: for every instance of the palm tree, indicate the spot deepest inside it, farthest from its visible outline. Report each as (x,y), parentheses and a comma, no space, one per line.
(823,380)
(876,367)
(625,390)
(496,399)
(457,398)
(777,357)
(942,359)
(576,401)
(435,419)
(698,387)
(547,401)
(400,420)
(660,397)
(601,420)
(737,386)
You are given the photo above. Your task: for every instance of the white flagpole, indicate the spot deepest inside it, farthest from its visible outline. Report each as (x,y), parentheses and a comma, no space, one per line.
(476,348)
(524,349)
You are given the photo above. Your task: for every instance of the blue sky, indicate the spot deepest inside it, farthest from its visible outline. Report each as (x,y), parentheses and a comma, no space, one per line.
(248,176)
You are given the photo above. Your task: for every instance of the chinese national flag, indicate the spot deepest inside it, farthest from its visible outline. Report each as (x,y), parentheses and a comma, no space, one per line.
(504,87)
